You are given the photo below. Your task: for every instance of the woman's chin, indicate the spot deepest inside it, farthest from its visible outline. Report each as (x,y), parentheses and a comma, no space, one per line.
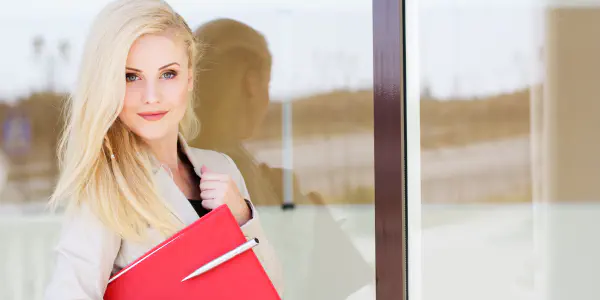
(152,134)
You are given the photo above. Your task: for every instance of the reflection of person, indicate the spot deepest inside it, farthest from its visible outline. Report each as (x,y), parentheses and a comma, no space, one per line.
(232,92)
(128,177)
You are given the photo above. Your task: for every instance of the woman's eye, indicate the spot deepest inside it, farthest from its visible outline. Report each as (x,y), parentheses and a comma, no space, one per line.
(131,77)
(169,75)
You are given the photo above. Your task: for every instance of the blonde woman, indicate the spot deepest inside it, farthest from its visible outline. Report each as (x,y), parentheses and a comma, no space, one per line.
(128,178)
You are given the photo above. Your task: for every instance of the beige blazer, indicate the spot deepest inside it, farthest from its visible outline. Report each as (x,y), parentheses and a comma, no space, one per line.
(88,252)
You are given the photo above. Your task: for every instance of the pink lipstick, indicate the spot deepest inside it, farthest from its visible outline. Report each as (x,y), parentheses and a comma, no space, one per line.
(153,115)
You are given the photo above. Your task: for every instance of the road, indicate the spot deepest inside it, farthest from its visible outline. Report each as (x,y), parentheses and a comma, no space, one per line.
(476,172)
(448,175)
(330,166)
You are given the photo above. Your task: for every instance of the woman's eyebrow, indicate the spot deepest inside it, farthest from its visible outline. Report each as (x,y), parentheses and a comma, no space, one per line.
(168,65)
(133,69)
(165,66)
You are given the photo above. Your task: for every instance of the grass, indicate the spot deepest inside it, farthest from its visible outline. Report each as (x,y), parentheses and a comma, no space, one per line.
(452,122)
(460,122)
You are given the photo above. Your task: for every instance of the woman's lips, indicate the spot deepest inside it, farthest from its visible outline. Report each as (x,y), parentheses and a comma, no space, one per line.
(153,116)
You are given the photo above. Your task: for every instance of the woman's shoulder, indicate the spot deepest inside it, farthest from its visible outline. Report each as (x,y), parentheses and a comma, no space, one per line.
(214,160)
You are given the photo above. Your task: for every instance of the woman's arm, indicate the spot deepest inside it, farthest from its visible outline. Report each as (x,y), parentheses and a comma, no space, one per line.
(85,257)
(253,228)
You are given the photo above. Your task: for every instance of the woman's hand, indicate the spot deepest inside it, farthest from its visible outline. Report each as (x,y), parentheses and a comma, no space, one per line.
(217,189)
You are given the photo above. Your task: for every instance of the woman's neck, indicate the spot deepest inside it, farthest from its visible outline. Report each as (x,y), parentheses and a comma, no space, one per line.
(165,151)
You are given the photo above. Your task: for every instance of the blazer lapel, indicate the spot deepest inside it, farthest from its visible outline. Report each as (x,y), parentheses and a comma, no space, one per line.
(187,151)
(176,200)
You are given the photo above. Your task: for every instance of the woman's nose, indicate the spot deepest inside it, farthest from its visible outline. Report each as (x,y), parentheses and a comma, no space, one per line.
(151,95)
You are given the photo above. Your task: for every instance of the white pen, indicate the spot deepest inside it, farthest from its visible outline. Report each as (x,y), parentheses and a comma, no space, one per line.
(223,258)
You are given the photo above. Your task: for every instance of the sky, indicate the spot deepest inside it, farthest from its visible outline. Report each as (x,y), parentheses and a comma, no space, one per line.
(465,49)
(478,51)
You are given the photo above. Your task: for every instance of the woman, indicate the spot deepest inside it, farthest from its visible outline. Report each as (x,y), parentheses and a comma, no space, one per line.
(128,178)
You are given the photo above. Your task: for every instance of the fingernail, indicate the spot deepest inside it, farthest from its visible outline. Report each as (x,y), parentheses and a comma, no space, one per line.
(203,169)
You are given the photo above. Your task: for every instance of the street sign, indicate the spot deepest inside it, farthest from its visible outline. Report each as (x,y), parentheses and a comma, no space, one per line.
(3,172)
(16,134)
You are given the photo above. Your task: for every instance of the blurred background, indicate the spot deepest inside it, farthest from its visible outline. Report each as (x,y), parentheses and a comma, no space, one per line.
(481,65)
(492,156)
(509,168)
(310,150)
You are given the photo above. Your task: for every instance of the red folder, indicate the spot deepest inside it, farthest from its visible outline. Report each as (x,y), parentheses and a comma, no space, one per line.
(158,273)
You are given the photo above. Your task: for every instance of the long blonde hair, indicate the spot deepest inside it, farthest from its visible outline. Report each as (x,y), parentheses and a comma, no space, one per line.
(103,164)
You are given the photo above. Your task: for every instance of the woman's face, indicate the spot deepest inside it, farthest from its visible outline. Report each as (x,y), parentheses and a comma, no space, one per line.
(158,83)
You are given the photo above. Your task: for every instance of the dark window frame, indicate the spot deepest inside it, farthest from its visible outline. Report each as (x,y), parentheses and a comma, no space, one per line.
(390,149)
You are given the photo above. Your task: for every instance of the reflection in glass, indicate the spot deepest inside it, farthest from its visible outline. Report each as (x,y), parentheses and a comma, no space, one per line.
(256,61)
(233,98)
(232,94)
(479,72)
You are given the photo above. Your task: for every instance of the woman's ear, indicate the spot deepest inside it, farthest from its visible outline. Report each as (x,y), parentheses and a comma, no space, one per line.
(251,83)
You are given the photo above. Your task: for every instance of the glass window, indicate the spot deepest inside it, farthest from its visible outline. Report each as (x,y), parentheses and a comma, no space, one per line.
(285,90)
(480,71)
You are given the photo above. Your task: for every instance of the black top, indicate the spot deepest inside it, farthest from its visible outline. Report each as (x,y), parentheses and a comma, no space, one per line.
(200,210)
(196,204)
